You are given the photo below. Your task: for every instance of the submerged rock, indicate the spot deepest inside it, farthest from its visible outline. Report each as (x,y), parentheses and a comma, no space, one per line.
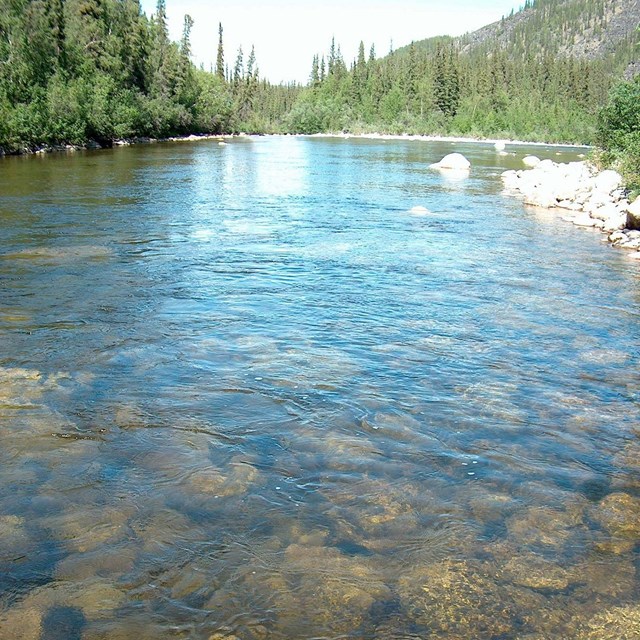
(21,623)
(545,526)
(614,578)
(535,572)
(619,623)
(308,586)
(619,515)
(94,599)
(456,599)
(453,161)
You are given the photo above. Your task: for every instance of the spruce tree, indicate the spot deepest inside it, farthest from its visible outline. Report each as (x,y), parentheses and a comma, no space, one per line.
(220,57)
(238,69)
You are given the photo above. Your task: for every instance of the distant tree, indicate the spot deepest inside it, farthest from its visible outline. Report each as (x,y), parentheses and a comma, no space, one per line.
(252,69)
(331,64)
(238,69)
(314,78)
(446,83)
(359,73)
(185,43)
(220,56)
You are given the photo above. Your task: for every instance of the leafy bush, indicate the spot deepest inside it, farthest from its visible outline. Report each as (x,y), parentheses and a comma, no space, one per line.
(619,131)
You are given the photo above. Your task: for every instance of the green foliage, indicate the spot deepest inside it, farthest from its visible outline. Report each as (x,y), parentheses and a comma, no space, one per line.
(440,90)
(316,116)
(74,70)
(619,131)
(65,110)
(214,106)
(511,79)
(79,70)
(620,119)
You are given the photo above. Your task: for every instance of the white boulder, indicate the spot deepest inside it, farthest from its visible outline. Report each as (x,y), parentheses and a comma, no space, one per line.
(615,223)
(454,161)
(531,161)
(607,181)
(618,237)
(500,145)
(584,220)
(569,205)
(419,211)
(548,166)
(633,215)
(541,197)
(595,201)
(606,211)
(511,180)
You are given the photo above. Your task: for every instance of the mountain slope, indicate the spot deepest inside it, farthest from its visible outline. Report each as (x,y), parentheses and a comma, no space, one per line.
(582,29)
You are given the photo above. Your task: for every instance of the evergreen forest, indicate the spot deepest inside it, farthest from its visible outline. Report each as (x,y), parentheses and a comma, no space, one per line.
(79,70)
(73,71)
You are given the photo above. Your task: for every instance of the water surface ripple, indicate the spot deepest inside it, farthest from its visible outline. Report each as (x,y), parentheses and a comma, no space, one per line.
(251,392)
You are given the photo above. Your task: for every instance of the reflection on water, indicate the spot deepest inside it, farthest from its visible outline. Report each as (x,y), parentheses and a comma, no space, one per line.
(246,394)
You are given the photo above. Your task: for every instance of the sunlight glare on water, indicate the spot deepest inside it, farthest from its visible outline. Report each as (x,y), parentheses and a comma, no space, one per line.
(309,388)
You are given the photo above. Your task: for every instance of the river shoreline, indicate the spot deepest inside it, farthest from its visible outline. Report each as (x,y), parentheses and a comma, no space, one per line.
(584,196)
(93,145)
(453,139)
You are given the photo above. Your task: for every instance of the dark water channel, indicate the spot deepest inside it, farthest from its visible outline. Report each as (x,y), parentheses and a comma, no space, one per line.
(247,393)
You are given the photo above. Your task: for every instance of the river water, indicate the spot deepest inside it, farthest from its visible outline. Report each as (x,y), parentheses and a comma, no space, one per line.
(247,393)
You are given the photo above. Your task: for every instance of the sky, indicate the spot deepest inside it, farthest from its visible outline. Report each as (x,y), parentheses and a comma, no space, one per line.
(288,33)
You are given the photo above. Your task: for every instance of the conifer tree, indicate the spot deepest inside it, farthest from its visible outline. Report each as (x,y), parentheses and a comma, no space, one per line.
(315,72)
(238,69)
(251,76)
(220,57)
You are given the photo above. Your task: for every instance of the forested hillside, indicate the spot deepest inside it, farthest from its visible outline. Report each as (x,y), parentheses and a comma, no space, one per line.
(583,29)
(78,70)
(540,74)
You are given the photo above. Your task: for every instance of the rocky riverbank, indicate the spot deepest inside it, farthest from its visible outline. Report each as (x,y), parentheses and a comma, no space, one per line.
(125,142)
(582,194)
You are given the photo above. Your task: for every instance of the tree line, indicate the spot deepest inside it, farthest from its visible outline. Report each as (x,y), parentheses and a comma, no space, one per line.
(440,89)
(78,70)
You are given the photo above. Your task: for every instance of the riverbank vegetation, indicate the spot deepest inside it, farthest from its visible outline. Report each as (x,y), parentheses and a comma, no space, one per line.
(437,89)
(540,74)
(619,133)
(78,70)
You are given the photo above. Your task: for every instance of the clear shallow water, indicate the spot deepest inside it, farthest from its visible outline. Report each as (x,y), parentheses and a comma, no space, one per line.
(246,392)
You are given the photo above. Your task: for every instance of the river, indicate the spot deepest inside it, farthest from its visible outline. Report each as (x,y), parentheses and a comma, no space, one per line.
(309,388)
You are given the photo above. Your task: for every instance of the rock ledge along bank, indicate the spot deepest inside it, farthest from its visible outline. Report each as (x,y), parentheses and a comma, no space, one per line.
(587,197)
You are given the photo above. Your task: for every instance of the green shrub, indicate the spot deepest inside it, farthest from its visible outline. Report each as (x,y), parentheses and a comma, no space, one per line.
(619,132)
